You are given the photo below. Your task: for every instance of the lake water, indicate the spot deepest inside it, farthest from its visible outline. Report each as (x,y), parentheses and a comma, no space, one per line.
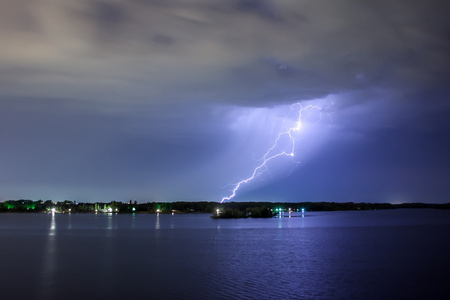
(382,254)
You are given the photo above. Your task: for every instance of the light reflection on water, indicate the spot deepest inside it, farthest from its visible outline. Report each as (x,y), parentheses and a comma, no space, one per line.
(158,225)
(49,257)
(325,255)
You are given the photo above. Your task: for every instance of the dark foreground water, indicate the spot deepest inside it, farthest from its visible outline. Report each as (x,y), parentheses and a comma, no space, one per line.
(384,254)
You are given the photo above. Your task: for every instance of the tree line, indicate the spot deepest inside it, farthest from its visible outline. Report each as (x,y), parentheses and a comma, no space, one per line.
(231,209)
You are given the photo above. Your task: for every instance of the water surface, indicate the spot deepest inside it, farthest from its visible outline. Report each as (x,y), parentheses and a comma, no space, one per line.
(383,254)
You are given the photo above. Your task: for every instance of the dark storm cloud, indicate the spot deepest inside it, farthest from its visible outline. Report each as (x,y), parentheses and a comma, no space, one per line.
(264,9)
(81,80)
(315,50)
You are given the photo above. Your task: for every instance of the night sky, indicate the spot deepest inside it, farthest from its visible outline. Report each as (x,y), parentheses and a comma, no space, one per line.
(178,100)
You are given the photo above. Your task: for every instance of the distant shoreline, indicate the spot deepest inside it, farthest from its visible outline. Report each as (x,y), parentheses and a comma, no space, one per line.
(228,209)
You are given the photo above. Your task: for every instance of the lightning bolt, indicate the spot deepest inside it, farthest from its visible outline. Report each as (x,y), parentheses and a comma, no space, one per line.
(274,151)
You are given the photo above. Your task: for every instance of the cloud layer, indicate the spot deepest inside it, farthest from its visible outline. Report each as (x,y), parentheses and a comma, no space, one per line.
(103,99)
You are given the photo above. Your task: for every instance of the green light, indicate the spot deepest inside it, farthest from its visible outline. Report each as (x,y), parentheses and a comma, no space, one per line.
(133,209)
